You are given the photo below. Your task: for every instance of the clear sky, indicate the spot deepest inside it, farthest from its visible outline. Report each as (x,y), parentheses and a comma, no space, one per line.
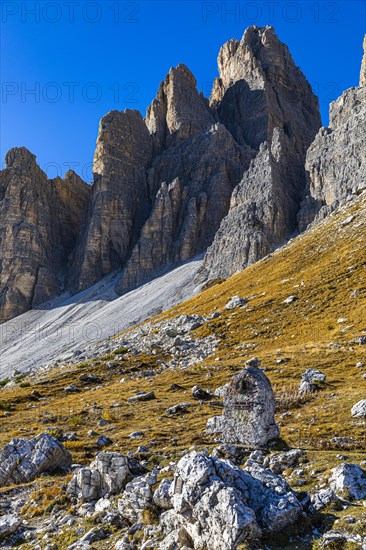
(64,64)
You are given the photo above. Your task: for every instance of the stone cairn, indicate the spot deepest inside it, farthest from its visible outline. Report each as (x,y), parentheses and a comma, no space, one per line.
(249,406)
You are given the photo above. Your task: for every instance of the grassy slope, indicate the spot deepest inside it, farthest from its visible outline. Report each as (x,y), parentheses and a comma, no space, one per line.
(321,268)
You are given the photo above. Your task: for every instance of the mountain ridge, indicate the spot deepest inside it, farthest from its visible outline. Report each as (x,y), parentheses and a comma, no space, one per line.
(163,184)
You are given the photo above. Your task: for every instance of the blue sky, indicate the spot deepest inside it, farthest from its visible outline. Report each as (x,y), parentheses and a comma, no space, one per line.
(64,64)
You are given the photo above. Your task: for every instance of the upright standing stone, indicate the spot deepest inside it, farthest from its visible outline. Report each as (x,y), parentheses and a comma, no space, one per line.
(249,407)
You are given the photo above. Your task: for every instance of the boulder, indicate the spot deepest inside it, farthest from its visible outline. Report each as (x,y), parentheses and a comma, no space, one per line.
(349,481)
(22,460)
(310,381)
(230,452)
(107,475)
(323,498)
(179,408)
(104,441)
(217,505)
(9,524)
(280,462)
(161,496)
(95,534)
(342,539)
(137,497)
(201,394)
(235,302)
(359,409)
(142,396)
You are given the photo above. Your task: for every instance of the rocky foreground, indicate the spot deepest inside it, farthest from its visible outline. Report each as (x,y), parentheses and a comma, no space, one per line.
(201,501)
(238,495)
(173,435)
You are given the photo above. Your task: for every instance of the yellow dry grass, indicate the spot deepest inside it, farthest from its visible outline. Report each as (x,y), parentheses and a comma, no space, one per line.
(321,268)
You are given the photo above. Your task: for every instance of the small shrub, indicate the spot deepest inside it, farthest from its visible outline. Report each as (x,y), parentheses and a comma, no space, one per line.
(288,399)
(109,417)
(150,516)
(75,421)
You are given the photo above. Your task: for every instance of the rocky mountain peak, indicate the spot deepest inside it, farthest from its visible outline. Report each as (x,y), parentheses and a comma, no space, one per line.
(258,57)
(121,134)
(20,157)
(182,69)
(72,176)
(178,111)
(267,104)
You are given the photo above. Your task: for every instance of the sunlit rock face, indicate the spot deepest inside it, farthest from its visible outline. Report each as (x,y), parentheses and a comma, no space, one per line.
(266,102)
(336,160)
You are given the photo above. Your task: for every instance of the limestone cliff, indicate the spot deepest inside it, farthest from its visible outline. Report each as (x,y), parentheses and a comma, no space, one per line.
(266,102)
(336,160)
(224,175)
(161,186)
(39,223)
(197,178)
(120,198)
(261,97)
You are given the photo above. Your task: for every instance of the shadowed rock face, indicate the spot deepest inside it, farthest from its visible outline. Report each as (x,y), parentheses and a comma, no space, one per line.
(161,186)
(39,223)
(186,214)
(119,203)
(224,175)
(266,103)
(336,160)
(260,88)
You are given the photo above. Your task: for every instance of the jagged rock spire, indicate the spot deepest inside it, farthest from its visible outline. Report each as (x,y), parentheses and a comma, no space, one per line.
(40,220)
(265,101)
(20,157)
(178,111)
(336,160)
